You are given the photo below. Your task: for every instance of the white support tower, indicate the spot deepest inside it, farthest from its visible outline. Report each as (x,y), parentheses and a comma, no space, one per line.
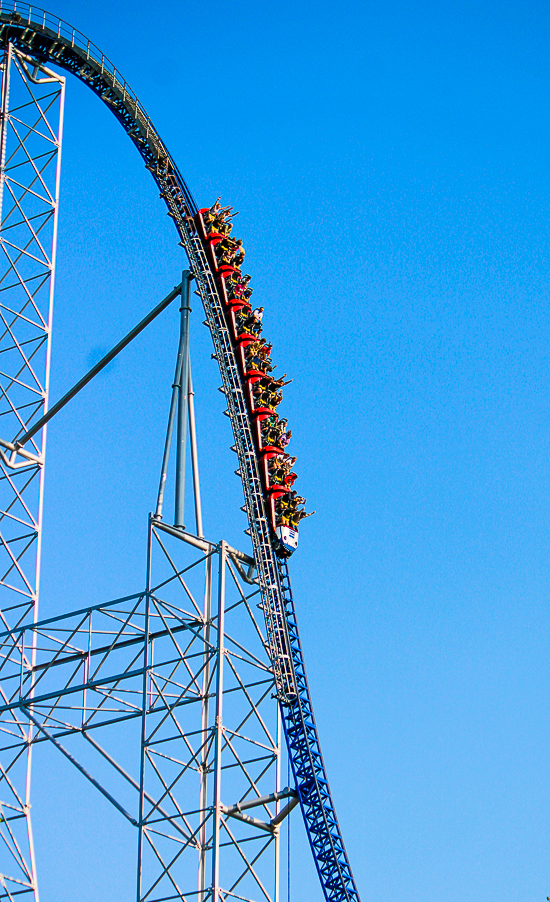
(31,132)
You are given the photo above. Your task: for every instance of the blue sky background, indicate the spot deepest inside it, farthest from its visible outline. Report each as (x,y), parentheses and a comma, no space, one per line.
(390,162)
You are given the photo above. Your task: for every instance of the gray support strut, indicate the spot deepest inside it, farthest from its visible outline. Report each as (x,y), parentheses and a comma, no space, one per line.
(183,400)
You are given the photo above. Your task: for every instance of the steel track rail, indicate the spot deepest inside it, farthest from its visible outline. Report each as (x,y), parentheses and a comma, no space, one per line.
(50,40)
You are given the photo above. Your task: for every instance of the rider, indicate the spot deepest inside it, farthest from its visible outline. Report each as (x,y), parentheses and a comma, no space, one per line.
(264,354)
(275,398)
(257,315)
(270,429)
(278,470)
(237,287)
(238,257)
(209,216)
(252,353)
(250,321)
(284,438)
(282,510)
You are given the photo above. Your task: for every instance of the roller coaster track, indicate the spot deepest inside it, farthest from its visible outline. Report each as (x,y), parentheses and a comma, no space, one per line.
(50,40)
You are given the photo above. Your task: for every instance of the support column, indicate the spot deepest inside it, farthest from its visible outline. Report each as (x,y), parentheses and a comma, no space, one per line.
(278,787)
(144,708)
(183,400)
(31,122)
(205,733)
(195,457)
(219,726)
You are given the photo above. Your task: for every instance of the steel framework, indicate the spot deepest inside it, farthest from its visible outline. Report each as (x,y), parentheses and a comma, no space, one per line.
(163,666)
(30,157)
(201,779)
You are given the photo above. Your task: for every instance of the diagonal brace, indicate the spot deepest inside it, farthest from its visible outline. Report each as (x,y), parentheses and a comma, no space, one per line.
(236,811)
(79,767)
(98,366)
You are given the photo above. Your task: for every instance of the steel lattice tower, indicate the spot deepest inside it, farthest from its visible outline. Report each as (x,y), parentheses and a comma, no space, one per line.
(32,123)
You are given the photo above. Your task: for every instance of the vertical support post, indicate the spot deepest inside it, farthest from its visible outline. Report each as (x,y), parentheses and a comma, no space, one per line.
(219,726)
(53,259)
(143,743)
(195,457)
(277,887)
(31,122)
(6,73)
(183,397)
(205,732)
(170,428)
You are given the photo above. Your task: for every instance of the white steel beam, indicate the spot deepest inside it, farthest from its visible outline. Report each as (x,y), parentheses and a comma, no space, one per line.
(31,128)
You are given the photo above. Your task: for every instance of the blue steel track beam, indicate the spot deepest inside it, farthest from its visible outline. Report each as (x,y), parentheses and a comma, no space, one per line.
(44,36)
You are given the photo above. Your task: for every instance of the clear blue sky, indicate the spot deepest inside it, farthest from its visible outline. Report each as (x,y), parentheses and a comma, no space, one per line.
(391,165)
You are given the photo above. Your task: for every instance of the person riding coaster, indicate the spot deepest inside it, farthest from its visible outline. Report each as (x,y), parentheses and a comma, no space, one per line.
(269,428)
(297,516)
(269,384)
(250,322)
(280,469)
(265,396)
(222,223)
(224,228)
(284,438)
(288,510)
(216,218)
(228,244)
(252,355)
(280,382)
(264,355)
(209,216)
(227,251)
(257,355)
(242,315)
(237,287)
(276,431)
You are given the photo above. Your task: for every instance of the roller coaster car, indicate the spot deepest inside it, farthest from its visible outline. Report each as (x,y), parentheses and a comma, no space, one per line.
(231,317)
(246,369)
(199,222)
(287,536)
(251,380)
(266,459)
(268,455)
(257,428)
(288,540)
(219,268)
(230,302)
